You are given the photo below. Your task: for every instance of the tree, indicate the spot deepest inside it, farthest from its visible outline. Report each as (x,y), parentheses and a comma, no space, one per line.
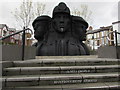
(40,8)
(83,11)
(27,12)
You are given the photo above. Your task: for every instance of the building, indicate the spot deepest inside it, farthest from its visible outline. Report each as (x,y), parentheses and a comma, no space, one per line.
(11,31)
(18,39)
(5,31)
(28,38)
(100,37)
(103,36)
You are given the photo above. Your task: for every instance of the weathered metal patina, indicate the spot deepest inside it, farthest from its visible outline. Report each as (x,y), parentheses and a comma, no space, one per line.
(61,35)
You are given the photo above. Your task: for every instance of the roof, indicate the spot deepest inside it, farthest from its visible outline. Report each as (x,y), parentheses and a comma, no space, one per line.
(11,29)
(99,30)
(2,26)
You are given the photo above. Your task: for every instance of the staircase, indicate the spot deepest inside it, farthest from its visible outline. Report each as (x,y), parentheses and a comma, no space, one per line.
(61,73)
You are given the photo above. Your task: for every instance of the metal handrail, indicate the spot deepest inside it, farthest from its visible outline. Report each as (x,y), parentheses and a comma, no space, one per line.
(116,40)
(15,34)
(107,36)
(23,39)
(112,32)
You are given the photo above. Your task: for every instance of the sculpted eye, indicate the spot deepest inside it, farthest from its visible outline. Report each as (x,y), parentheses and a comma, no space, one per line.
(58,16)
(64,16)
(82,26)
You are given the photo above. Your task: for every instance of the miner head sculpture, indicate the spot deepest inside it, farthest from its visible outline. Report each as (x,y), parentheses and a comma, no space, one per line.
(41,25)
(61,35)
(61,17)
(79,27)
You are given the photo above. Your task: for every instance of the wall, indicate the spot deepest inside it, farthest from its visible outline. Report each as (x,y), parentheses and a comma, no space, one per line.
(14,52)
(109,52)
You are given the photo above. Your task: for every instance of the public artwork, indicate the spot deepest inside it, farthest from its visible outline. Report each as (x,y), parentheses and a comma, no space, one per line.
(61,35)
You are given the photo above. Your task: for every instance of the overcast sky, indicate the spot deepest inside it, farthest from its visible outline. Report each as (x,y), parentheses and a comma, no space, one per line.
(103,12)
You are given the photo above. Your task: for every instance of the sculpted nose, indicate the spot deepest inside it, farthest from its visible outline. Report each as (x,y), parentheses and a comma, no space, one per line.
(61,19)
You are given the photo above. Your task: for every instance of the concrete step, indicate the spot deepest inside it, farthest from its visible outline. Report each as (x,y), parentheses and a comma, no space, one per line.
(5,64)
(66,57)
(66,72)
(66,62)
(58,79)
(60,70)
(85,86)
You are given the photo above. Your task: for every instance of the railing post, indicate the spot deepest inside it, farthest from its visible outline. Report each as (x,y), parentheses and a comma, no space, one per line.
(93,42)
(116,43)
(23,43)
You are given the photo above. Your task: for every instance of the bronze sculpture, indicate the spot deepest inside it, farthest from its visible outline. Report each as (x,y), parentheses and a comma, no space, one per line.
(61,35)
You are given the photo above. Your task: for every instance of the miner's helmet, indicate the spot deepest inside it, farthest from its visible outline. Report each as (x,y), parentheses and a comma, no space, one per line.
(41,18)
(80,20)
(61,8)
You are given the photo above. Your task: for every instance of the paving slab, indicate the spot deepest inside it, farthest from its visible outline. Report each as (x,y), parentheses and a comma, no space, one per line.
(22,81)
(60,70)
(6,64)
(66,62)
(66,72)
(87,86)
(104,77)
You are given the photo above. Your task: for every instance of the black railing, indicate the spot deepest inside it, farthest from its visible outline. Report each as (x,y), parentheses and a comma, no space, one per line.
(23,39)
(107,37)
(116,40)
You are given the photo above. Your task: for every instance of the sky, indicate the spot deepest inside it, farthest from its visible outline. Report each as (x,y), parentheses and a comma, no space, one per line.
(103,12)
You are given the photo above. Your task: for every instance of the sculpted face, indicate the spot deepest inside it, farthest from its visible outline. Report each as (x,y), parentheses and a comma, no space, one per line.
(40,30)
(60,35)
(80,30)
(79,26)
(61,22)
(41,25)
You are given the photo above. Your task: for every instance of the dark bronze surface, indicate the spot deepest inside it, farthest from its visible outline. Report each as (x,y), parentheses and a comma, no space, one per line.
(61,35)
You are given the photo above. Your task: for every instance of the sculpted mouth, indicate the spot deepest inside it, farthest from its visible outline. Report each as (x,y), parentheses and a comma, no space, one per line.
(62,29)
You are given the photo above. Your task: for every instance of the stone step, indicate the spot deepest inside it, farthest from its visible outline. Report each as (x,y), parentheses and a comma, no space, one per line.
(66,57)
(59,79)
(5,64)
(60,70)
(66,62)
(85,86)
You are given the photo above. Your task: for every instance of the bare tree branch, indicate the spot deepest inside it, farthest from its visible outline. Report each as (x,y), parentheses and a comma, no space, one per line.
(27,11)
(83,11)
